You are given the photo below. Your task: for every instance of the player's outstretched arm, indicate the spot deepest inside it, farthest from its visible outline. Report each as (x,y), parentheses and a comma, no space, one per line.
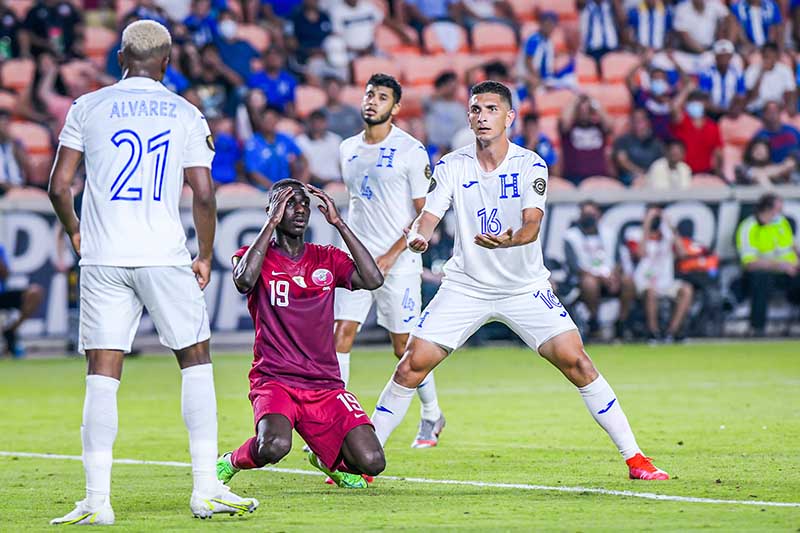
(367,275)
(247,270)
(529,232)
(421,231)
(60,192)
(204,211)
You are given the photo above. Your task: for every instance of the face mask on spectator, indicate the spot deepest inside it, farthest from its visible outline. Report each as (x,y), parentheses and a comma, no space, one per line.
(695,109)
(587,222)
(227,28)
(659,87)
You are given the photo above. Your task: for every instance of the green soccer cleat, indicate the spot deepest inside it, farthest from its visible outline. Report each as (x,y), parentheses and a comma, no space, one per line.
(225,468)
(344,480)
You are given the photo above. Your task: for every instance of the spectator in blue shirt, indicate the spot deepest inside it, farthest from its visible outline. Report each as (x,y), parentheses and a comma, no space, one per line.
(309,26)
(235,52)
(540,56)
(533,139)
(649,25)
(282,8)
(723,82)
(269,155)
(655,99)
(148,10)
(759,21)
(224,168)
(783,139)
(276,82)
(598,23)
(420,13)
(201,24)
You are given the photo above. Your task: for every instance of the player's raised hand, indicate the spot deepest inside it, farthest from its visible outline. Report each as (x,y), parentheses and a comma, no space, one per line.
(328,208)
(416,242)
(202,271)
(487,240)
(277,205)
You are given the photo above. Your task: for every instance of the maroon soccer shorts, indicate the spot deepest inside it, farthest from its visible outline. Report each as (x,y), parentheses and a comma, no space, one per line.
(322,417)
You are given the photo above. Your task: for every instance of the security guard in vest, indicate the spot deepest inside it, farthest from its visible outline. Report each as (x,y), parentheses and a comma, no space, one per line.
(766,248)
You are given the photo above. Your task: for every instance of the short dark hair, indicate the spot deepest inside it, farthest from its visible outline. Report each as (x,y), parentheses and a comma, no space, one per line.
(317,114)
(444,78)
(676,142)
(287,182)
(389,81)
(589,203)
(697,94)
(530,117)
(770,46)
(766,202)
(495,69)
(272,108)
(492,87)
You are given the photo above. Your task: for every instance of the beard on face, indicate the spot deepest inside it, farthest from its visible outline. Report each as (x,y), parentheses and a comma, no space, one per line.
(377,119)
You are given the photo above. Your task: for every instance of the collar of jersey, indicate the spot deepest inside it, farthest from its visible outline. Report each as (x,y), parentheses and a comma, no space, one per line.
(138,82)
(376,145)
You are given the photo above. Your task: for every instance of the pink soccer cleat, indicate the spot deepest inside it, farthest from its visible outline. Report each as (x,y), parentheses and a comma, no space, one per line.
(641,467)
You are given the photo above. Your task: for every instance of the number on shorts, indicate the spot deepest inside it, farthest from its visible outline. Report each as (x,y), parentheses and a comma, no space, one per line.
(548,298)
(350,401)
(279,293)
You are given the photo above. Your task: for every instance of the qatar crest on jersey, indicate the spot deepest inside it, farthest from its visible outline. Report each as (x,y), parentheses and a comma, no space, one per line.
(322,277)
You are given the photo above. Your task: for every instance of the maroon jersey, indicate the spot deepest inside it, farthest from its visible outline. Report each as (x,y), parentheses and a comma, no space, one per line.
(292,309)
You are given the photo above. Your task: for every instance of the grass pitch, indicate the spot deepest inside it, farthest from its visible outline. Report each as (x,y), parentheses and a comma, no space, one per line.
(722,419)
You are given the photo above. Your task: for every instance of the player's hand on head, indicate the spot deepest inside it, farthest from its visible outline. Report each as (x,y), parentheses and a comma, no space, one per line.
(277,204)
(202,271)
(489,241)
(328,207)
(416,242)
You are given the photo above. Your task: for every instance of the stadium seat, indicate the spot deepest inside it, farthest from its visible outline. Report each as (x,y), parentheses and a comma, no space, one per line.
(98,42)
(617,65)
(600,182)
(75,69)
(732,157)
(565,9)
(389,42)
(124,7)
(554,183)
(740,130)
(308,99)
(492,37)
(524,10)
(17,74)
(615,99)
(413,102)
(8,101)
(352,95)
(553,102)
(39,165)
(462,63)
(366,66)
(434,45)
(34,137)
(707,181)
(586,69)
(253,34)
(423,70)
(20,7)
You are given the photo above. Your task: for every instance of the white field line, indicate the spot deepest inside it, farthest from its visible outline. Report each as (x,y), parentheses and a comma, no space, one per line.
(519,486)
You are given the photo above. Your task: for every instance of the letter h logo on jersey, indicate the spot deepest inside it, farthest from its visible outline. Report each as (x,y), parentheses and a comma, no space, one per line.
(506,184)
(389,158)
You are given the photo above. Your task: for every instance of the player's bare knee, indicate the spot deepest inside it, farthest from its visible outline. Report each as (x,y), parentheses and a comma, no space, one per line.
(407,374)
(344,334)
(273,448)
(374,462)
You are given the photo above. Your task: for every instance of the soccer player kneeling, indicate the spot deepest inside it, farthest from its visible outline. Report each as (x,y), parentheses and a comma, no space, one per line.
(295,380)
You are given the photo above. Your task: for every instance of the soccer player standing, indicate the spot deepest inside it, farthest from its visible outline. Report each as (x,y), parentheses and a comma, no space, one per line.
(295,380)
(387,172)
(139,141)
(498,192)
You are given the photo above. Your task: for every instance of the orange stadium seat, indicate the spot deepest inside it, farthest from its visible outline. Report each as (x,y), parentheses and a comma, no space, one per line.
(738,131)
(491,37)
(412,104)
(308,99)
(430,38)
(586,69)
(554,183)
(366,66)
(124,7)
(552,102)
(601,182)
(34,137)
(549,126)
(615,99)
(253,34)
(617,65)
(353,94)
(17,74)
(98,42)
(8,101)
(566,10)
(524,10)
(389,42)
(420,71)
(20,7)
(462,63)
(707,181)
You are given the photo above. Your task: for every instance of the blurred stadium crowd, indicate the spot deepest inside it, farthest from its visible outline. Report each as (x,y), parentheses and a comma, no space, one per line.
(613,94)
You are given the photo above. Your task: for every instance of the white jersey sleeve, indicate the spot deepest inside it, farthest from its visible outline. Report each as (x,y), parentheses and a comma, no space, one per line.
(418,172)
(199,149)
(72,134)
(440,190)
(534,193)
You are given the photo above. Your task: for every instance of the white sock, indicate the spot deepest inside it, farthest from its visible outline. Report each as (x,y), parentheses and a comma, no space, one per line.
(199,408)
(344,366)
(390,410)
(429,409)
(604,406)
(98,431)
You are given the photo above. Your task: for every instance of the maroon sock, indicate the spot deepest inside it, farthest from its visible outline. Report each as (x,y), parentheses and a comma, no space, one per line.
(246,457)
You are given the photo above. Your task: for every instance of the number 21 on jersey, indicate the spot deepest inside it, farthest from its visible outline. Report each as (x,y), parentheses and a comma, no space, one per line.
(126,188)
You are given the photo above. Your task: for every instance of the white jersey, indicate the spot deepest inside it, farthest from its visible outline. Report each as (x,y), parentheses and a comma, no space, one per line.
(382,180)
(136,137)
(490,202)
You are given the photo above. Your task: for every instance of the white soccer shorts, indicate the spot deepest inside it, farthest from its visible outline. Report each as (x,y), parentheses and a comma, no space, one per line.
(452,317)
(399,300)
(112,300)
